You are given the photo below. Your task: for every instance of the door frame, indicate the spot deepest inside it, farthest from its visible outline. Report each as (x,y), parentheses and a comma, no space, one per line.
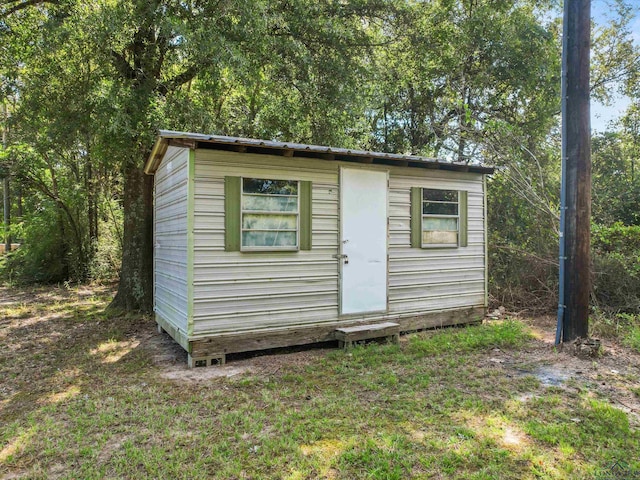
(340,244)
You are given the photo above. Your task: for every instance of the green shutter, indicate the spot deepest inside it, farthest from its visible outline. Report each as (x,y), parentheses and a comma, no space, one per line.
(464,221)
(232,193)
(305,215)
(416,217)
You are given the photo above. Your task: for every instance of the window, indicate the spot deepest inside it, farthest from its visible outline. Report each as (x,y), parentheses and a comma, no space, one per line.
(440,217)
(267,215)
(270,214)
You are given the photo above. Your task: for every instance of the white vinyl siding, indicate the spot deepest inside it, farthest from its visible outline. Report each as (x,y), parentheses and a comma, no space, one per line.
(237,291)
(170,238)
(244,291)
(431,279)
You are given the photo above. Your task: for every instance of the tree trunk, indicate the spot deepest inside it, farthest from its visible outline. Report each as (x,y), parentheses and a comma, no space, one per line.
(135,291)
(6,195)
(91,208)
(7,215)
(64,248)
(19,201)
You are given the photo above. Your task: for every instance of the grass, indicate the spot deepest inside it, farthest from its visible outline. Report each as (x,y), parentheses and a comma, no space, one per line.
(508,334)
(632,338)
(82,399)
(623,326)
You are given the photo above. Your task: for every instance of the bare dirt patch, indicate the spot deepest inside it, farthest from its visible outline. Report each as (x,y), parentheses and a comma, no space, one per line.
(614,375)
(172,362)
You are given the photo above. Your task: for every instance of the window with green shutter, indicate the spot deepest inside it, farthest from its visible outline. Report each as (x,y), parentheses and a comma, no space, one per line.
(267,215)
(270,214)
(438,218)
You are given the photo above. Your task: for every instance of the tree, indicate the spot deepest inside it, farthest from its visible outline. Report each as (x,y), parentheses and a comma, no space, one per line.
(615,64)
(157,48)
(461,74)
(141,59)
(616,179)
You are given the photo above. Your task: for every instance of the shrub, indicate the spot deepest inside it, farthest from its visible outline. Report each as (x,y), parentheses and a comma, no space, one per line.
(526,278)
(43,256)
(104,266)
(616,266)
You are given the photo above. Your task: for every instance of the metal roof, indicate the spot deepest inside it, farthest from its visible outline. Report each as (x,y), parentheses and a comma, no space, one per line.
(198,140)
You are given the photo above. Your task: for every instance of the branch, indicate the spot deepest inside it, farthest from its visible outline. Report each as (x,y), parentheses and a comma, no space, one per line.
(21,6)
(312,41)
(122,66)
(526,253)
(182,78)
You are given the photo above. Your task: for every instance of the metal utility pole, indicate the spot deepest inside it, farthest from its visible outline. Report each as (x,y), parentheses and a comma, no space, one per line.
(575,218)
(5,186)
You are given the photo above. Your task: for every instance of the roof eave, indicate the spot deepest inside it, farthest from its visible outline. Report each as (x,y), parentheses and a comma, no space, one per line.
(155,157)
(185,139)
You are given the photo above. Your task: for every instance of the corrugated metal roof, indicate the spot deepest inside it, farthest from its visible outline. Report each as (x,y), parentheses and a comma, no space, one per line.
(249,145)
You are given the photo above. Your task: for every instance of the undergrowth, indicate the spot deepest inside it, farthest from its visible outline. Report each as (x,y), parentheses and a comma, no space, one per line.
(624,327)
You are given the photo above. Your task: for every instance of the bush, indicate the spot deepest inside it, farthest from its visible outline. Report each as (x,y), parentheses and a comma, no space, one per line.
(43,256)
(616,266)
(526,278)
(523,252)
(617,238)
(52,252)
(105,264)
(522,280)
(632,337)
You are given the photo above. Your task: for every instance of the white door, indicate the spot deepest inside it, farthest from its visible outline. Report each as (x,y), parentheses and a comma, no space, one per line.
(363,225)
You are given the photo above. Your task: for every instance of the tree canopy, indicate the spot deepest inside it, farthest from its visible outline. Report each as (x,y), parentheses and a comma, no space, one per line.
(87,84)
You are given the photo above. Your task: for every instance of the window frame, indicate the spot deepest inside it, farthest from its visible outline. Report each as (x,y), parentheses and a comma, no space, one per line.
(458,218)
(297,213)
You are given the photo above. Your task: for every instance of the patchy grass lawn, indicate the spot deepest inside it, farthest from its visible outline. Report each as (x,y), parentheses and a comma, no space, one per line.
(87,395)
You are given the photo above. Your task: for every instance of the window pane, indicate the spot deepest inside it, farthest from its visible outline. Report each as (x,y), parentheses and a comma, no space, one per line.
(440,195)
(273,187)
(269,239)
(269,222)
(270,204)
(431,223)
(440,208)
(439,238)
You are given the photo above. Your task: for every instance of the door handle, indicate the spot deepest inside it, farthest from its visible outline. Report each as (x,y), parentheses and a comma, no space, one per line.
(343,257)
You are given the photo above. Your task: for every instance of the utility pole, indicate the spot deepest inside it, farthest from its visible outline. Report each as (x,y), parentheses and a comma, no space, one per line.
(575,218)
(5,185)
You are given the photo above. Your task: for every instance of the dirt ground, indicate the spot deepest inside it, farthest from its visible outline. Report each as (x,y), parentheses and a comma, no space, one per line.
(39,323)
(614,374)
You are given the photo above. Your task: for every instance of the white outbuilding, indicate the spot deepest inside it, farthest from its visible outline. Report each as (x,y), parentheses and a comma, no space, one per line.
(262,244)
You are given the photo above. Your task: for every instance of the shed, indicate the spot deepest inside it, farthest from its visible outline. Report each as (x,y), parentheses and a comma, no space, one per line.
(262,244)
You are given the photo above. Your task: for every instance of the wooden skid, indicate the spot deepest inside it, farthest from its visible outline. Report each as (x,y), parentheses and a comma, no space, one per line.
(216,345)
(347,336)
